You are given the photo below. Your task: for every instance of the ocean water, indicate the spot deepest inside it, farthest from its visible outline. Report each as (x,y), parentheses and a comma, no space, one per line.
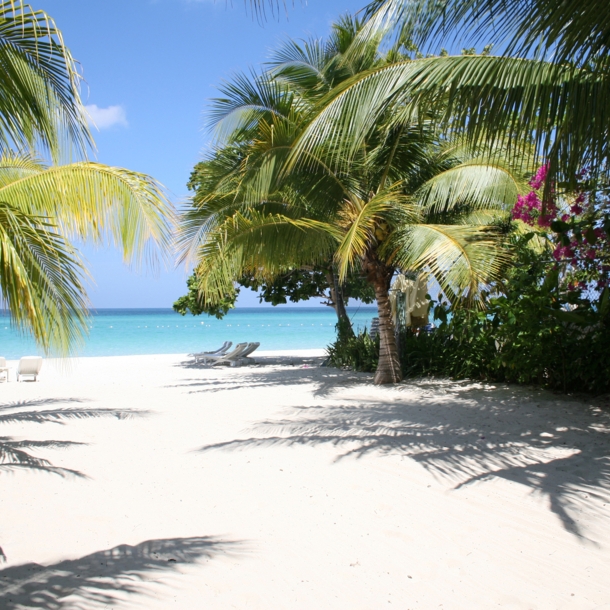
(125,332)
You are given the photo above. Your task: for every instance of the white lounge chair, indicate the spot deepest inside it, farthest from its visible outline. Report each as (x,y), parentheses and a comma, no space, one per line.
(221,350)
(29,366)
(3,369)
(232,357)
(243,359)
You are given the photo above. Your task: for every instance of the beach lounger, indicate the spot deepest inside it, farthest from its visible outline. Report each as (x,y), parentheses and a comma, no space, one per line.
(232,357)
(29,366)
(243,359)
(3,369)
(221,350)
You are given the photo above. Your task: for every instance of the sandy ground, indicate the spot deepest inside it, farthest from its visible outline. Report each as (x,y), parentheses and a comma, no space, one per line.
(287,485)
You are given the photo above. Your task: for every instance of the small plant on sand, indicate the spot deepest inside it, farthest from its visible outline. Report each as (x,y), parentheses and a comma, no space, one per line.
(356,351)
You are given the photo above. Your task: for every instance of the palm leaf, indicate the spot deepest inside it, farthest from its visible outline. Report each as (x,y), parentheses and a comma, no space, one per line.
(261,243)
(475,183)
(462,259)
(301,65)
(245,101)
(41,281)
(362,222)
(483,97)
(569,31)
(94,202)
(39,96)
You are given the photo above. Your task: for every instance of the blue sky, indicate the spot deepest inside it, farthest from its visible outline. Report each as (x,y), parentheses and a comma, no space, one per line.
(150,68)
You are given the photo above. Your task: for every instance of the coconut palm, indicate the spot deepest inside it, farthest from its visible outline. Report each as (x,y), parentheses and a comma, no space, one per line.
(404,200)
(43,208)
(551,86)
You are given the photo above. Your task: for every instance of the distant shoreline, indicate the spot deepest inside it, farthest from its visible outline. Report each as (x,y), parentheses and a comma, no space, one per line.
(276,354)
(133,332)
(287,308)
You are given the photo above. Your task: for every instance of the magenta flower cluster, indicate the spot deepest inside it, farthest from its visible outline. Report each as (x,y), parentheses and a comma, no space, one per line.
(586,254)
(529,208)
(538,180)
(525,207)
(581,242)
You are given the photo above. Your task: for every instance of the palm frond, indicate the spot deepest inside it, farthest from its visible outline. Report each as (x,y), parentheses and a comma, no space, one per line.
(246,100)
(463,259)
(39,95)
(559,108)
(569,31)
(93,202)
(475,184)
(301,65)
(41,281)
(365,223)
(259,242)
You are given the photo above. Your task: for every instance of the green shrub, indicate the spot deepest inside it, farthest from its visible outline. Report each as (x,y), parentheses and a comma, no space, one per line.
(535,332)
(358,352)
(460,348)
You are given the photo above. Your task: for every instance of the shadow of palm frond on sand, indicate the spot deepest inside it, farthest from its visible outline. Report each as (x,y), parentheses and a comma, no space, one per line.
(15,454)
(325,381)
(465,434)
(256,361)
(103,579)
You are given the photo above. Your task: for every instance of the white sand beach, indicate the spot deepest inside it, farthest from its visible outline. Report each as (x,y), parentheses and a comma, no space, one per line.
(287,485)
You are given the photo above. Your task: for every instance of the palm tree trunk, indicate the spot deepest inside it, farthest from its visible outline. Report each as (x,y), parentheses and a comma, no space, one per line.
(380,276)
(388,368)
(338,304)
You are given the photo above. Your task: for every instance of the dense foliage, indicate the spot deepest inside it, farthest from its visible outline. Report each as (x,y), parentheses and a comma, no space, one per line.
(293,285)
(359,351)
(541,330)
(405,197)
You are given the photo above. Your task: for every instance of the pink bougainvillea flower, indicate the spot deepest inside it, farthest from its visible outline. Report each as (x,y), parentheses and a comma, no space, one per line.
(544,220)
(538,180)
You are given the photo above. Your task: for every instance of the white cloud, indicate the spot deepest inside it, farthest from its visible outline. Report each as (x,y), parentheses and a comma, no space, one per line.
(103,118)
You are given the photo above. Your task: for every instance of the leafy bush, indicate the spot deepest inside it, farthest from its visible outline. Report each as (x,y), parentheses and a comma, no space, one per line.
(536,331)
(358,352)
(461,348)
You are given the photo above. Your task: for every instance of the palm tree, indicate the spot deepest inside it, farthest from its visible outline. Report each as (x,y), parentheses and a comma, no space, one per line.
(41,207)
(551,86)
(404,199)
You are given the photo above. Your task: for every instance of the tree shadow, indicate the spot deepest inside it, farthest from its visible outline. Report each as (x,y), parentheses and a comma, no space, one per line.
(324,380)
(258,361)
(102,579)
(465,433)
(14,454)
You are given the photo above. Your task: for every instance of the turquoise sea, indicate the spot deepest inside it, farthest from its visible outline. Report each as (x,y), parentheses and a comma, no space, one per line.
(124,332)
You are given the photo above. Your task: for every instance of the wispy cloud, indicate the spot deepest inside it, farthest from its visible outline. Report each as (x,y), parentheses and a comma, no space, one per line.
(103,118)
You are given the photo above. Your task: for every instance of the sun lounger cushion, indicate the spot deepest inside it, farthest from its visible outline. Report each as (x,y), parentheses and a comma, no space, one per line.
(29,366)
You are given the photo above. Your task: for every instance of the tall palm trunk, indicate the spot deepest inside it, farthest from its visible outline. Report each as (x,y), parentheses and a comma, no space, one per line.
(380,276)
(338,302)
